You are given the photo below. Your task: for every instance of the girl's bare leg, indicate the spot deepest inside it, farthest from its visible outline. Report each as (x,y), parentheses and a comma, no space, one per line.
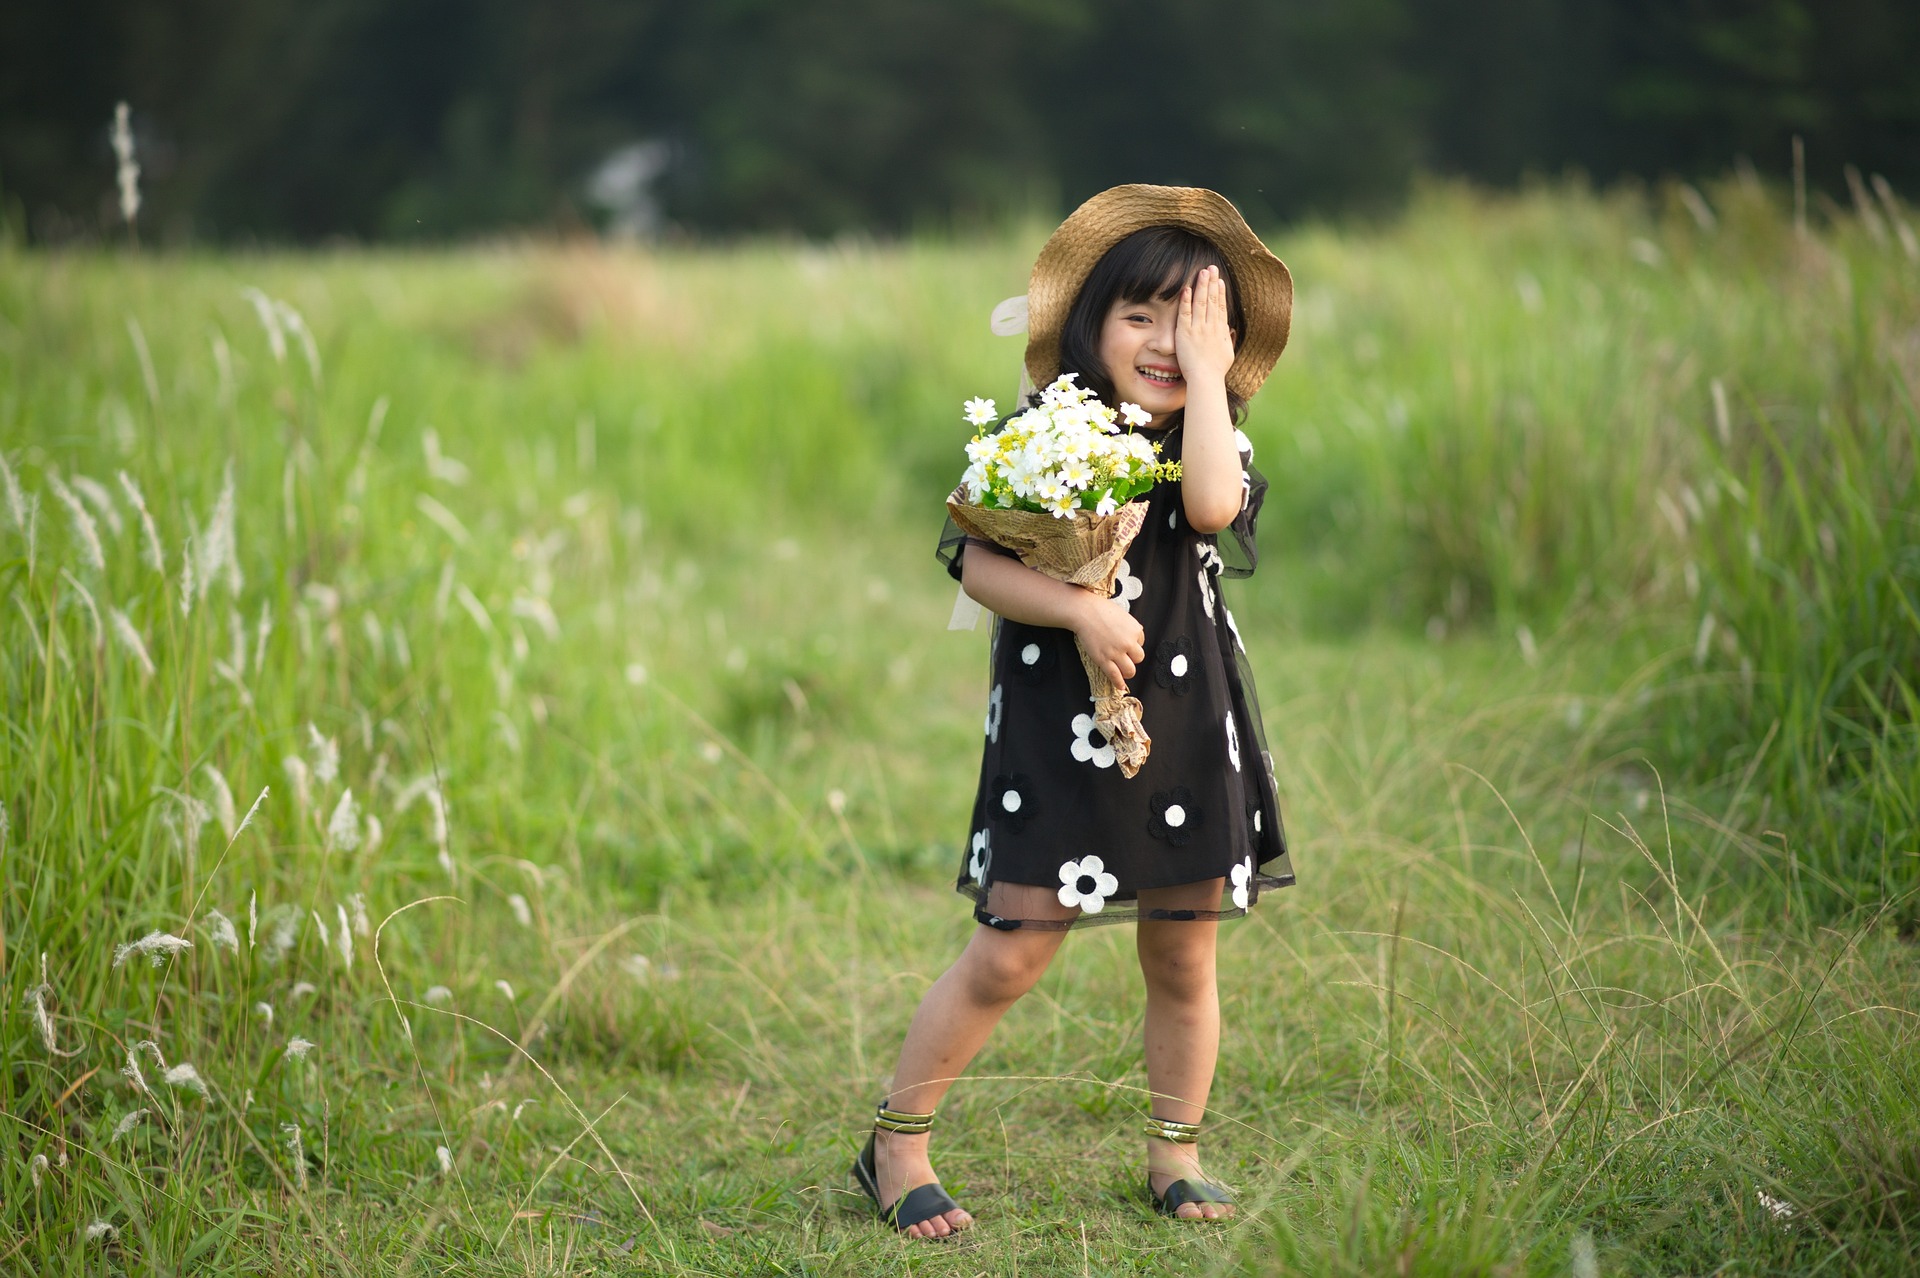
(1182,1027)
(952,1024)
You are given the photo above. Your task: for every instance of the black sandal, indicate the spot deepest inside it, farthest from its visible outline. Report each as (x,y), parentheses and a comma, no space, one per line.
(1182,1192)
(919,1204)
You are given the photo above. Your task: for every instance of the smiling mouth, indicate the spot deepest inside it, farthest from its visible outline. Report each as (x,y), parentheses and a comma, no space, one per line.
(1159,377)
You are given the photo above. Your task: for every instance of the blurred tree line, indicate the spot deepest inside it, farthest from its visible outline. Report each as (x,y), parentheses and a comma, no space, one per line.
(305,119)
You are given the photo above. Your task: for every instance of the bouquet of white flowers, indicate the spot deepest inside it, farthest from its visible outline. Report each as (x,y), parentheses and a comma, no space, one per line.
(1067,454)
(1057,486)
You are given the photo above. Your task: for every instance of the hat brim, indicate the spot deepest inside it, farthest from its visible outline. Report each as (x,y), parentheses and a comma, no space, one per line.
(1262,280)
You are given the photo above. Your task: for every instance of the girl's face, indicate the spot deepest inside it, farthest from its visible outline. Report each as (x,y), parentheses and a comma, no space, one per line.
(1137,350)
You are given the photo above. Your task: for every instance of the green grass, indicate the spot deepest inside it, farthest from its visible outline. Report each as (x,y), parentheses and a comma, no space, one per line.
(1600,930)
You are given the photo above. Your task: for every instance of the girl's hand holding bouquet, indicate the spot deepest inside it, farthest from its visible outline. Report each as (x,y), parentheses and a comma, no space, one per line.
(1057,487)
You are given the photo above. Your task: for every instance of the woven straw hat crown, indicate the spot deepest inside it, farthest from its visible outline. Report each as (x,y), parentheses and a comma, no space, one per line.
(1262,281)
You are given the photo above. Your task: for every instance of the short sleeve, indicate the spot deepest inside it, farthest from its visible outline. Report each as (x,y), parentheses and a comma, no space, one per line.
(1238,554)
(953,545)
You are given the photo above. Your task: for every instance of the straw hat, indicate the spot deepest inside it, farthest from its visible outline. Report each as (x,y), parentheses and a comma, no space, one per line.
(1070,254)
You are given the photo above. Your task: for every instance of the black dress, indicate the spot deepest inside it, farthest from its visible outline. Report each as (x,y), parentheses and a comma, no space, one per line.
(1054,813)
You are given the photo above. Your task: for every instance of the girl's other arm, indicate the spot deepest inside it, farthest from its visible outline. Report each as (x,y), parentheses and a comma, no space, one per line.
(1004,585)
(1210,485)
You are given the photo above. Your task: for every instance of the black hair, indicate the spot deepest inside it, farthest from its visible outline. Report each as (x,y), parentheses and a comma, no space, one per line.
(1153,263)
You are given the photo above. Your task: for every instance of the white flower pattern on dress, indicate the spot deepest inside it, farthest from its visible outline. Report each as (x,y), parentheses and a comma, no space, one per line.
(982,858)
(994,703)
(1206,592)
(1085,883)
(1238,642)
(1126,586)
(1084,728)
(1233,742)
(1030,655)
(1242,883)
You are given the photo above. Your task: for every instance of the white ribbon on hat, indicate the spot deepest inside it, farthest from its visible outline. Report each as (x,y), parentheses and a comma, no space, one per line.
(1009,319)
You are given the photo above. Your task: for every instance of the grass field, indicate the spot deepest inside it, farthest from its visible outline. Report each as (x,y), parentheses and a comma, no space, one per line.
(572,616)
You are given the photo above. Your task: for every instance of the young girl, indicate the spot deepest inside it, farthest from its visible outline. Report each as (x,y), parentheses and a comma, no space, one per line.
(1160,297)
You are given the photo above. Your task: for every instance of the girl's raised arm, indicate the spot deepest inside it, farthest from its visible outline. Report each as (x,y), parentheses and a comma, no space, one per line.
(1209,458)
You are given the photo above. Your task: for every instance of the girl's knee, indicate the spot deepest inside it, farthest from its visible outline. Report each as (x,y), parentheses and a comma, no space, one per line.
(1183,968)
(1001,968)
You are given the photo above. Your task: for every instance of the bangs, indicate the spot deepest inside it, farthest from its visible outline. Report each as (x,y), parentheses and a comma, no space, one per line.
(1157,262)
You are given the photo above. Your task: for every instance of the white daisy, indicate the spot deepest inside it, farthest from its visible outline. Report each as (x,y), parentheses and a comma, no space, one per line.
(980,412)
(993,712)
(1242,883)
(1233,742)
(1084,749)
(982,858)
(1126,586)
(1087,884)
(1134,415)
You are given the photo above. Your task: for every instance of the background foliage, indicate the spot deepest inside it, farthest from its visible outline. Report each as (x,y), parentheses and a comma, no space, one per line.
(284,120)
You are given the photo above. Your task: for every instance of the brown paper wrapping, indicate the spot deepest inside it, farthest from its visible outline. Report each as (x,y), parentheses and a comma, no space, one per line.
(1083,549)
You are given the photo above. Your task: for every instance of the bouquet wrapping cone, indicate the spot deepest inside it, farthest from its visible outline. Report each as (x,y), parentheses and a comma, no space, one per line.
(1083,549)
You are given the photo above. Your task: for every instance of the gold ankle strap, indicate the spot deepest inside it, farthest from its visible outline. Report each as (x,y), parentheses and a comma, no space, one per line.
(1168,1130)
(893,1120)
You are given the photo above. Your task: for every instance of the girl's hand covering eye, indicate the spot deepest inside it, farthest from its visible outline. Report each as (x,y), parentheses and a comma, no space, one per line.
(1114,640)
(1203,339)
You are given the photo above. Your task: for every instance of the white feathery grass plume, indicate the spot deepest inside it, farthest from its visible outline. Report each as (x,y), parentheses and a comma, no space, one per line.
(326,755)
(126,173)
(505,989)
(99,1229)
(343,827)
(247,820)
(145,356)
(185,1075)
(521,1106)
(261,629)
(297,1152)
(265,1012)
(292,320)
(326,935)
(39,1167)
(189,588)
(16,505)
(269,320)
(475,609)
(442,1153)
(152,1049)
(219,556)
(194,814)
(154,555)
(436,995)
(357,907)
(539,612)
(297,1048)
(439,465)
(443,592)
(402,650)
(36,1001)
(130,639)
(86,597)
(296,770)
(412,792)
(221,931)
(521,910)
(95,494)
(135,1078)
(127,1124)
(253,904)
(283,929)
(155,946)
(222,800)
(301,989)
(83,526)
(448,522)
(375,833)
(437,804)
(236,642)
(6,828)
(345,935)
